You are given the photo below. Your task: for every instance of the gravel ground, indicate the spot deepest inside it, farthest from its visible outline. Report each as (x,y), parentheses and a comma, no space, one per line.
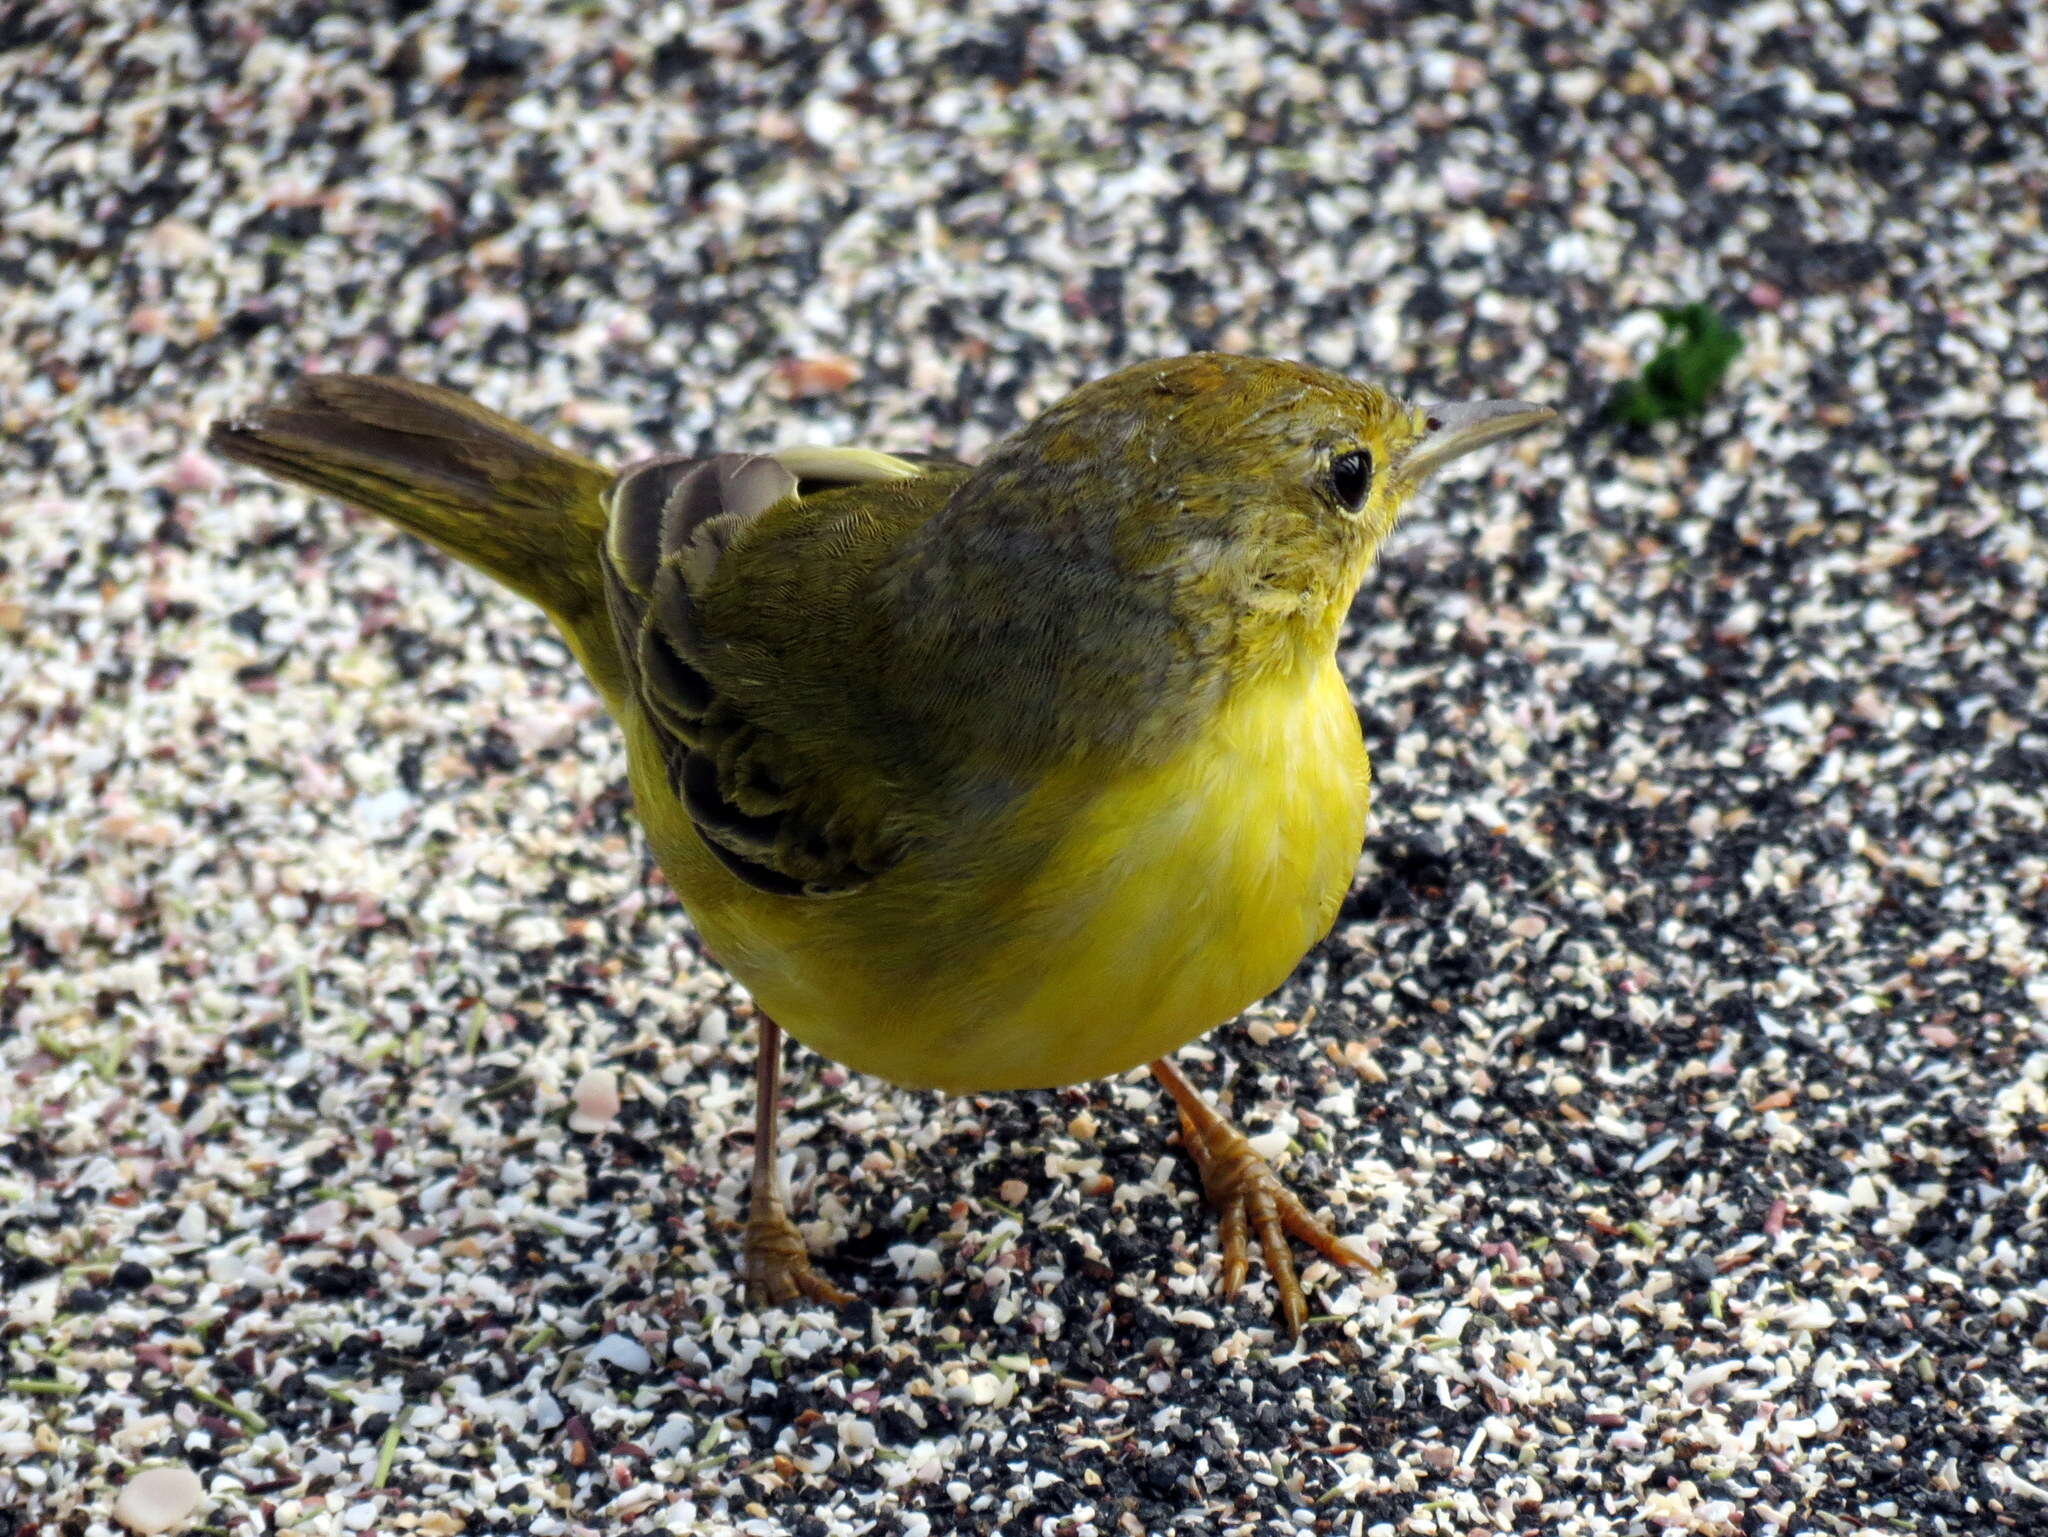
(1681,1050)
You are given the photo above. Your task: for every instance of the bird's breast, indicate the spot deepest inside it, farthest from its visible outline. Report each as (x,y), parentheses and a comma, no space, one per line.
(1163,903)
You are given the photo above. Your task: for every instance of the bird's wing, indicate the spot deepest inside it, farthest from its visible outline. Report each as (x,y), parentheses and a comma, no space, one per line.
(728,580)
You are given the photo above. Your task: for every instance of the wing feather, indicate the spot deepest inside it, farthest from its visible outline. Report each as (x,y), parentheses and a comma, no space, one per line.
(777,821)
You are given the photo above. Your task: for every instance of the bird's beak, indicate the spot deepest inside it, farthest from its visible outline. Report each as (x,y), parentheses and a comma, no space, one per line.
(1453,431)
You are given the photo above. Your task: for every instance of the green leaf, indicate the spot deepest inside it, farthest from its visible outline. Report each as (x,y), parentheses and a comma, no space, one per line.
(1698,348)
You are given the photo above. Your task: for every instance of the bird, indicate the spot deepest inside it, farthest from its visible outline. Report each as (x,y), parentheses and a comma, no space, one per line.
(986,777)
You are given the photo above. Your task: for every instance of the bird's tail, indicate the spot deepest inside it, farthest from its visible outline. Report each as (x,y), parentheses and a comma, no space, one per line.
(476,484)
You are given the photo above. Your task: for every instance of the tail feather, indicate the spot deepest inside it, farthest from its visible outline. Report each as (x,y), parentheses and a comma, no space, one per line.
(464,478)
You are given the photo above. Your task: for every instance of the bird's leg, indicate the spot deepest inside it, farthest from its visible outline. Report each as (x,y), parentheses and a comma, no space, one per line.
(1247,1194)
(777,1264)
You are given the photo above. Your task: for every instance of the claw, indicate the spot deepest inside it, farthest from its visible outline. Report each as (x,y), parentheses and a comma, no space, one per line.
(1250,1198)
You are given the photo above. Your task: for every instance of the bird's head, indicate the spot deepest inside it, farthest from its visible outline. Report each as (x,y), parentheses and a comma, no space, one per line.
(1254,491)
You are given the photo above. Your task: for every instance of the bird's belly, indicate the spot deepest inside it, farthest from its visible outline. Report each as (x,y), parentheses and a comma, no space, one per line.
(1174,899)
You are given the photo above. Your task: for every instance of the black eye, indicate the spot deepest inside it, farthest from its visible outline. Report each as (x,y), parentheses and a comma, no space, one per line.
(1351,478)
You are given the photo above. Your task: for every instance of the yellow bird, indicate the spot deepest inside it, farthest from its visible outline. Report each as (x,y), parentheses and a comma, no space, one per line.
(979,778)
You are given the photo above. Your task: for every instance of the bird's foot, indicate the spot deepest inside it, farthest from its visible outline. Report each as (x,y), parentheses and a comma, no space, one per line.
(777,1262)
(1250,1198)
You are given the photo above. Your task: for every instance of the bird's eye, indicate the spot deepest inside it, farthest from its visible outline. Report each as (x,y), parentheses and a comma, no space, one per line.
(1351,478)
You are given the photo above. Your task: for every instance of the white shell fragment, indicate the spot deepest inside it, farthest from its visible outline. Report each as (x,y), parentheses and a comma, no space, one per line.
(596,1098)
(158,1499)
(621,1350)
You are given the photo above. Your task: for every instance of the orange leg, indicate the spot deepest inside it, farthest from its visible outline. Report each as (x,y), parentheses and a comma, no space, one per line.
(1248,1195)
(777,1265)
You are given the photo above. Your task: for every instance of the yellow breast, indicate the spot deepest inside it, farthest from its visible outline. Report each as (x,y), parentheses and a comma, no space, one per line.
(1176,897)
